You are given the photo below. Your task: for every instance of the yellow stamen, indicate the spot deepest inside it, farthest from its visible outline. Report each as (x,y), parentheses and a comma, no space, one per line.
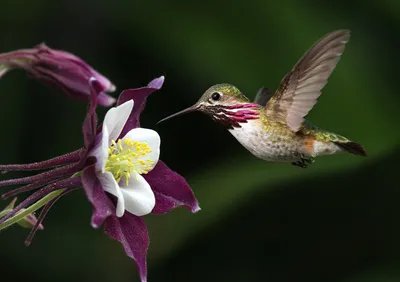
(126,157)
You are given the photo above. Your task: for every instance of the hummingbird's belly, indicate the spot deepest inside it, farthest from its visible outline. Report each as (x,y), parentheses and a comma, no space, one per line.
(269,146)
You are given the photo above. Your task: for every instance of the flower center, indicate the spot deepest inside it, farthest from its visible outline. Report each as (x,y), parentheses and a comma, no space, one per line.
(126,157)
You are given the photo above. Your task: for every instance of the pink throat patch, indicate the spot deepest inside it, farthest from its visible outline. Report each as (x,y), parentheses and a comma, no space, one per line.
(232,116)
(239,115)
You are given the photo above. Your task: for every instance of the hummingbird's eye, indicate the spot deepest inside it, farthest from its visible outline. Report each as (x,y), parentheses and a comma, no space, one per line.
(215,96)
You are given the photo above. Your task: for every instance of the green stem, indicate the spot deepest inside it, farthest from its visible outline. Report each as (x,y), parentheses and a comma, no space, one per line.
(31,209)
(5,212)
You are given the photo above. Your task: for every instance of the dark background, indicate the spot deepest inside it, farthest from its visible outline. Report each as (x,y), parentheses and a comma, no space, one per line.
(335,221)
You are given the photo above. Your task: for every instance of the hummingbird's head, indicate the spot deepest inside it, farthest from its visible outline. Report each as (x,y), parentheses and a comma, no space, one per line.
(225,104)
(222,95)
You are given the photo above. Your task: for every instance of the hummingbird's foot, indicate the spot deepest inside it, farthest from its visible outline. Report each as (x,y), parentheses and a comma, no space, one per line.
(304,162)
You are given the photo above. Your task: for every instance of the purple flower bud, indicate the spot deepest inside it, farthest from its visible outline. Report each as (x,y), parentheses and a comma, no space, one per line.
(60,69)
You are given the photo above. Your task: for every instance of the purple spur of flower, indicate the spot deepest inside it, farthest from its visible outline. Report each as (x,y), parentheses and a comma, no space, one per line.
(60,69)
(120,171)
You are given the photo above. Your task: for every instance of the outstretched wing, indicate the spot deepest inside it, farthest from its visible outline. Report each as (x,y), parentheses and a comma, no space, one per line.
(300,88)
(262,97)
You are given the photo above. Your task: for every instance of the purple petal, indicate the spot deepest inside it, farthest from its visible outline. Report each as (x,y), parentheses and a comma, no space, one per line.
(132,233)
(156,83)
(102,204)
(106,100)
(139,97)
(171,190)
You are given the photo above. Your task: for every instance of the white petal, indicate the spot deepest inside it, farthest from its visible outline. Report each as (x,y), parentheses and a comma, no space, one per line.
(149,136)
(104,150)
(101,151)
(116,118)
(109,185)
(138,196)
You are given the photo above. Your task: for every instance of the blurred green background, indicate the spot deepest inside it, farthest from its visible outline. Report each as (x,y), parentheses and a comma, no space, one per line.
(335,221)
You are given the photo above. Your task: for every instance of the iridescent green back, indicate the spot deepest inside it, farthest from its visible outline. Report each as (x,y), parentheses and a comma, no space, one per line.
(309,129)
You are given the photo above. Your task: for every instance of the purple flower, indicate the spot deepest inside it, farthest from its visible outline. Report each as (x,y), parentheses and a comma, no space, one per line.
(60,69)
(119,171)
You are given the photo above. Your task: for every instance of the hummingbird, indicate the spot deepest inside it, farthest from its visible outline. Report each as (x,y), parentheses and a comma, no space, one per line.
(272,127)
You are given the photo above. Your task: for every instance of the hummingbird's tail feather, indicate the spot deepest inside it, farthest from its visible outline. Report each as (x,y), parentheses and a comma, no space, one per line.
(327,143)
(352,147)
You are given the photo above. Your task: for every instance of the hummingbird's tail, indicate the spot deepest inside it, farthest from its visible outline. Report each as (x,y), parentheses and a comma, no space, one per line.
(352,147)
(327,143)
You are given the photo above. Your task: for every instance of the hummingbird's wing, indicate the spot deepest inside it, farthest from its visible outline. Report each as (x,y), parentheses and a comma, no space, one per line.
(300,88)
(262,97)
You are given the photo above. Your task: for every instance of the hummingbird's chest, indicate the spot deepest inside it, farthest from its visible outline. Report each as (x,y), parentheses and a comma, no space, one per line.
(271,144)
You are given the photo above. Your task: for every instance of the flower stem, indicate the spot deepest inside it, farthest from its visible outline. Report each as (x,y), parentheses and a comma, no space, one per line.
(43,201)
(5,212)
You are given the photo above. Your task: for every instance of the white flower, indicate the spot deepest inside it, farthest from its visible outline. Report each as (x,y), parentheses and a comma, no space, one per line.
(121,161)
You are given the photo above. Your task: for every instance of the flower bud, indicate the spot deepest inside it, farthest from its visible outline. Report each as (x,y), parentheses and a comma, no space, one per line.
(60,69)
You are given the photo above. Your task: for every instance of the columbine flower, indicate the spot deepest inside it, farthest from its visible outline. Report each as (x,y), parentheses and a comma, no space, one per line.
(119,170)
(127,167)
(58,68)
(121,161)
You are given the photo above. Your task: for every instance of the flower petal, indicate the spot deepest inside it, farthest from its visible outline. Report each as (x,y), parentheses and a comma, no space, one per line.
(139,95)
(116,118)
(103,156)
(156,83)
(150,137)
(107,84)
(102,205)
(106,100)
(138,196)
(171,190)
(109,185)
(132,233)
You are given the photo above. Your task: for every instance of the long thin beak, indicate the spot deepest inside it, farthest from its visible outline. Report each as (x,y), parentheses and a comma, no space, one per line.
(185,111)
